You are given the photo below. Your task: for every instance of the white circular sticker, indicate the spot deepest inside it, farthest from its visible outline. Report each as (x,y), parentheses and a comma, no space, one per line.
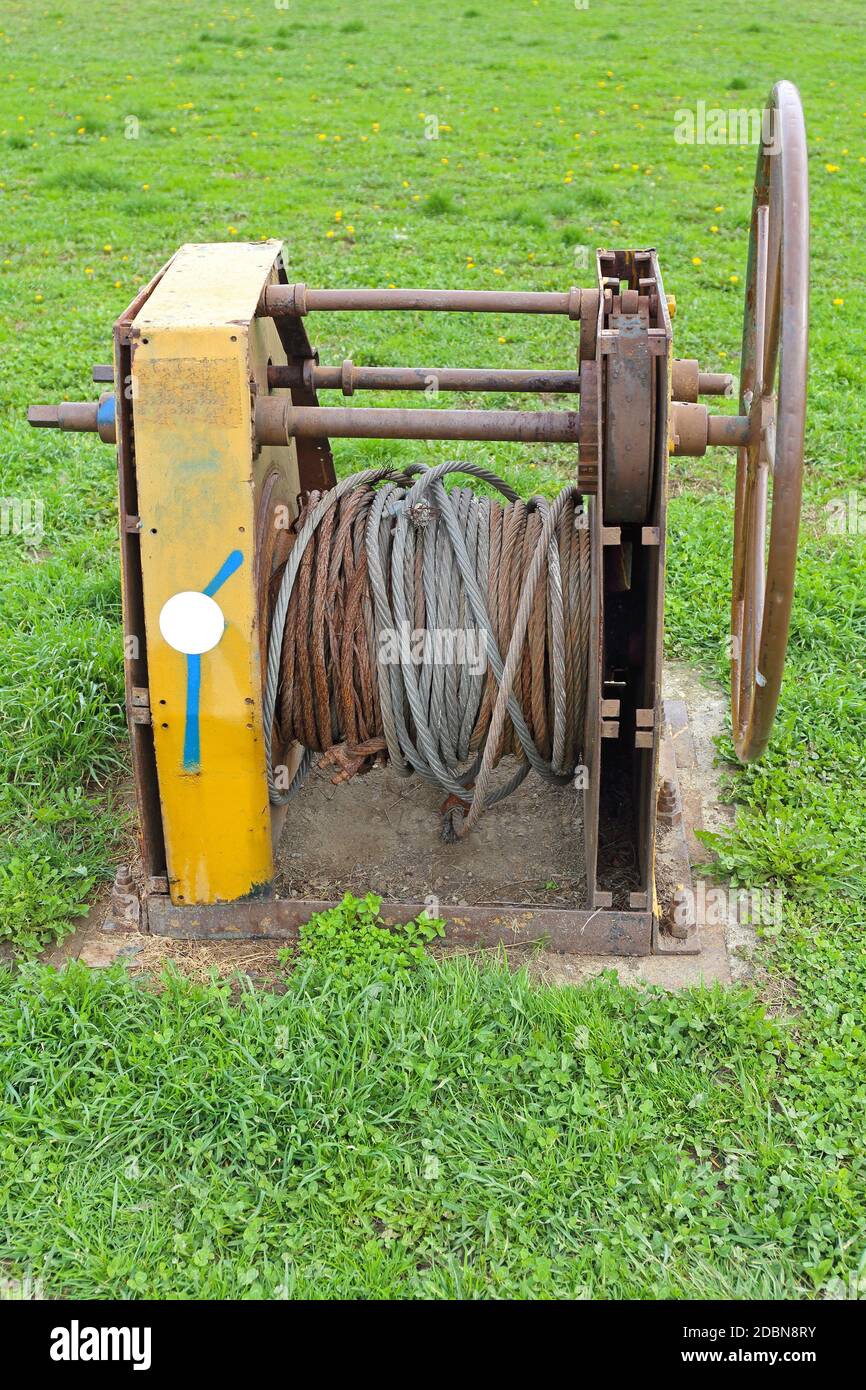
(191,622)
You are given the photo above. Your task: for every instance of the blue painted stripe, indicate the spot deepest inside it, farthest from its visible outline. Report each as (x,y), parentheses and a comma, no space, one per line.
(234,562)
(191,744)
(105,411)
(191,735)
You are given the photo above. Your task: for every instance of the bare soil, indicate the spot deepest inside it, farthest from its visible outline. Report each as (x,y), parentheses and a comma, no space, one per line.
(383,833)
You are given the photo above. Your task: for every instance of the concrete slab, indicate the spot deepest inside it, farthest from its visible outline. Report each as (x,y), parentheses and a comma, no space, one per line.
(699,780)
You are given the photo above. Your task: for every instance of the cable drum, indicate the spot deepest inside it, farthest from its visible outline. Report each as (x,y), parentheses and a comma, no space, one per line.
(438,628)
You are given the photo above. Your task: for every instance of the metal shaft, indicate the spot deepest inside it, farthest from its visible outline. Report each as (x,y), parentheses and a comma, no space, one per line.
(297,300)
(350,378)
(688,382)
(69,415)
(715,383)
(732,431)
(278,420)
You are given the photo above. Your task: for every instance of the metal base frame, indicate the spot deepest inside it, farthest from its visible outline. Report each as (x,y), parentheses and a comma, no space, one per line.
(578,932)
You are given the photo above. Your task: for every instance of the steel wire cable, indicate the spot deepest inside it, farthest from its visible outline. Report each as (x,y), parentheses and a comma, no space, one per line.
(388,626)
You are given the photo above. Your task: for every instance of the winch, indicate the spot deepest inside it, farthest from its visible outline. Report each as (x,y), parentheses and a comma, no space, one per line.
(426,616)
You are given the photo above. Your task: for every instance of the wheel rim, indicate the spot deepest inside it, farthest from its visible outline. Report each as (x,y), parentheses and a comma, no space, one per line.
(773,395)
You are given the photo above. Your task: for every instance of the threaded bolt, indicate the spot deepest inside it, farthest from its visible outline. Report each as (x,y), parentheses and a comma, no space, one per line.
(668,801)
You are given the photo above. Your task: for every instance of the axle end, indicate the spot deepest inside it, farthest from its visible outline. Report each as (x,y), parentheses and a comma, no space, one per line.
(44,417)
(96,416)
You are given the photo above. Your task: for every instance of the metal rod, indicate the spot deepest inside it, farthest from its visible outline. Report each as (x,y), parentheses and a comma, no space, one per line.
(69,415)
(688,382)
(297,300)
(715,384)
(732,431)
(278,420)
(350,378)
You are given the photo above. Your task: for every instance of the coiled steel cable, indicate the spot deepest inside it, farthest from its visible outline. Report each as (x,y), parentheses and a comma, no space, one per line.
(384,569)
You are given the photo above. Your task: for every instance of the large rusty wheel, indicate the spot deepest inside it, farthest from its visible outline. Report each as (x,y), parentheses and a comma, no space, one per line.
(773,395)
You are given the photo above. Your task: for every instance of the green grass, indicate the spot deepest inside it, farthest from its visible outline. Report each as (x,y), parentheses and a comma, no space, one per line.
(458,1133)
(352,940)
(728,1156)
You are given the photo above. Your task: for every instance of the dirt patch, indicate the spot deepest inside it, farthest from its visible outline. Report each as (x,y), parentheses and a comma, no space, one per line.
(382,833)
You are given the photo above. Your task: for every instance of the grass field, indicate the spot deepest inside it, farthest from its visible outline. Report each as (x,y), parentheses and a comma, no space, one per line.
(598,1140)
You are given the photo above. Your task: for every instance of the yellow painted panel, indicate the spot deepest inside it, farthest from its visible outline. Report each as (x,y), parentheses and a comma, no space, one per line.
(210,284)
(197,504)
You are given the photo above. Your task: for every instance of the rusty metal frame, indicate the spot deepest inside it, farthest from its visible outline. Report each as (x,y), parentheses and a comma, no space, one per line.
(315,461)
(567,931)
(601,925)
(151,835)
(631,595)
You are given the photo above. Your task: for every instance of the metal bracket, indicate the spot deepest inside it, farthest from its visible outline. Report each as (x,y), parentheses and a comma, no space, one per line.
(139,705)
